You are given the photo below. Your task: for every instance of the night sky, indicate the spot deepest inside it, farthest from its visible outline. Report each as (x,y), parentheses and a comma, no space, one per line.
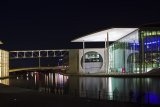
(53,24)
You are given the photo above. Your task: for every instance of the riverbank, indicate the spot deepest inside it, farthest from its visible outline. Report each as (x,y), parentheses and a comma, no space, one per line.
(20,97)
(113,75)
(153,73)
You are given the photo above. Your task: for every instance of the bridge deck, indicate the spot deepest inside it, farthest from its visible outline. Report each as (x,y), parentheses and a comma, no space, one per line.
(36,68)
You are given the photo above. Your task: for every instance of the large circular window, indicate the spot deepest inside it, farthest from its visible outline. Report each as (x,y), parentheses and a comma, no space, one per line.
(93,61)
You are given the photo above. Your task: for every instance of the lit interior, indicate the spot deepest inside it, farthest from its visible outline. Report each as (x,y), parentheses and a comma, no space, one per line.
(4,63)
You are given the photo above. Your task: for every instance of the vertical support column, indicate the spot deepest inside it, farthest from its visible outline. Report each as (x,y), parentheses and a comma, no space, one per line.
(105,56)
(107,52)
(124,67)
(83,57)
(54,53)
(134,58)
(39,56)
(17,55)
(32,55)
(24,56)
(47,53)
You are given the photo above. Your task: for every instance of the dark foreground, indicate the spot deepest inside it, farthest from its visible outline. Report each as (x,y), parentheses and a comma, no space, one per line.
(18,97)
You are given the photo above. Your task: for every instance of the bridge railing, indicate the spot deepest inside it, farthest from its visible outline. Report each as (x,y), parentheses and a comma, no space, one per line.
(37,53)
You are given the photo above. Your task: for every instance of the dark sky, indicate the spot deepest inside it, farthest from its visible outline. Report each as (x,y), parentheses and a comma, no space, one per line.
(53,24)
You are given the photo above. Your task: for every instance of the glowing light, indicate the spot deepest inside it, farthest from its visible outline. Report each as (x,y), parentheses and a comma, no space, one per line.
(114,35)
(4,63)
(35,79)
(110,87)
(4,81)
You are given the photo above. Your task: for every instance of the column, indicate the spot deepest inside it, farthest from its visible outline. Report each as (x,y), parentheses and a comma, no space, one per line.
(107,53)
(39,56)
(105,56)
(83,57)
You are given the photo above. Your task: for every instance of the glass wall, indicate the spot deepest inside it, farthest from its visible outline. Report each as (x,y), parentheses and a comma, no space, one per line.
(124,54)
(138,52)
(4,63)
(150,48)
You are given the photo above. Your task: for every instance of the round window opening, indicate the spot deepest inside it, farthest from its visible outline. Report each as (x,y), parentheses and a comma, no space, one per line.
(93,61)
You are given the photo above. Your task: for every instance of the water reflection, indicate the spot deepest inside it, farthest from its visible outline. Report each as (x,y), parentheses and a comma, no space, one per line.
(4,81)
(124,89)
(145,90)
(50,82)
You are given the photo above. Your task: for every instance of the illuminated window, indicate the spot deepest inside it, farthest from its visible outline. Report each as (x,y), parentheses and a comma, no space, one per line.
(158,32)
(153,32)
(92,59)
(4,69)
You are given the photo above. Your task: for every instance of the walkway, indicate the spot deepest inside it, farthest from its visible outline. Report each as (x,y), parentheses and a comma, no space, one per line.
(36,68)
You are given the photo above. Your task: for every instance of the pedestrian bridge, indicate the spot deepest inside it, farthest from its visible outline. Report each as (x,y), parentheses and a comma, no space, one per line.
(38,68)
(39,54)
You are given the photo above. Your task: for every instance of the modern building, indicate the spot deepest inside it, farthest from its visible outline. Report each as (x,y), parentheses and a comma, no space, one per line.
(133,50)
(4,64)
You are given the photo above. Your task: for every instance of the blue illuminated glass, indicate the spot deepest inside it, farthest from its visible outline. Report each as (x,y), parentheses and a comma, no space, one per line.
(151,44)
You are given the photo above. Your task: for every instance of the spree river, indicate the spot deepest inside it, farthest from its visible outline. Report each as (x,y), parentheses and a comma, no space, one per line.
(143,90)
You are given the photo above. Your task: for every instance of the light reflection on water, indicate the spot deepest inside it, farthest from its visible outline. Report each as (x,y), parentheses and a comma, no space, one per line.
(4,81)
(148,88)
(91,86)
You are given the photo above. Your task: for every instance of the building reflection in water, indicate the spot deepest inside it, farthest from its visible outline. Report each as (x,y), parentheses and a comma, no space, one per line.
(4,81)
(51,82)
(146,88)
(109,82)
(93,87)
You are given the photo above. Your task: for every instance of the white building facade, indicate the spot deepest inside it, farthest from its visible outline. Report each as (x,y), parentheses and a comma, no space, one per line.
(4,63)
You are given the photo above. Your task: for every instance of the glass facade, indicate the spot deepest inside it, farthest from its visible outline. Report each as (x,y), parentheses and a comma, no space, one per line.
(123,54)
(150,48)
(4,63)
(137,52)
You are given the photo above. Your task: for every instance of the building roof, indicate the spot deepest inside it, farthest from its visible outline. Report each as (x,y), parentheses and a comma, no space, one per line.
(155,24)
(114,34)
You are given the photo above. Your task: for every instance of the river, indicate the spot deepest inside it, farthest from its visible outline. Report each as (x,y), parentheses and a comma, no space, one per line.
(143,90)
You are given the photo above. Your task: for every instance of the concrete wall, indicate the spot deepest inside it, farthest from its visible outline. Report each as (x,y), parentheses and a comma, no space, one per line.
(92,70)
(73,61)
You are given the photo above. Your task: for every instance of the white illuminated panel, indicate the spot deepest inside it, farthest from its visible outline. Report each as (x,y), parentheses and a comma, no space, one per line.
(114,35)
(4,63)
